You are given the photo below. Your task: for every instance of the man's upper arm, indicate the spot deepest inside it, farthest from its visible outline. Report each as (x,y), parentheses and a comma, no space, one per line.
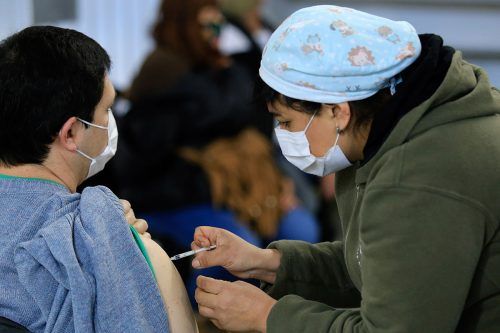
(173,291)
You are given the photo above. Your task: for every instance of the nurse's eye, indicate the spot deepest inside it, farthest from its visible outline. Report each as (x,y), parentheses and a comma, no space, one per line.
(284,124)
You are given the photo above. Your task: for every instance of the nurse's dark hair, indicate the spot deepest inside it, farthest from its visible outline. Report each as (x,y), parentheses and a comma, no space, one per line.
(362,111)
(47,75)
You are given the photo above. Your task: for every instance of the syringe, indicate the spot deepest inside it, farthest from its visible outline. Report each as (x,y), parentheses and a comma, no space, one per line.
(192,252)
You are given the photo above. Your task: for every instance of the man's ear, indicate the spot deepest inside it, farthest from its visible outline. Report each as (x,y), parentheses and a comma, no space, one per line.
(342,115)
(68,134)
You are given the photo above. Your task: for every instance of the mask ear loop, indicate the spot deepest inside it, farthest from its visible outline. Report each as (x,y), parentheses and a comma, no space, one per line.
(310,121)
(338,136)
(85,155)
(94,125)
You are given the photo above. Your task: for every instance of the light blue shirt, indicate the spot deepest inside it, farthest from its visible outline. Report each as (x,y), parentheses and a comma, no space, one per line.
(69,263)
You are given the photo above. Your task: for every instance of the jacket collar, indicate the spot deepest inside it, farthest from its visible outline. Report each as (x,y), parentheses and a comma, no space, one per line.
(464,93)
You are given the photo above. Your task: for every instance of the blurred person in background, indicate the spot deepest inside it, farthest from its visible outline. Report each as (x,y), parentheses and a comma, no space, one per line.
(190,153)
(245,33)
(243,38)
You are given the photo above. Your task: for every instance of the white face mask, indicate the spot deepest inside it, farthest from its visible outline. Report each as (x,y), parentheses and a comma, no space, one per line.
(295,148)
(97,163)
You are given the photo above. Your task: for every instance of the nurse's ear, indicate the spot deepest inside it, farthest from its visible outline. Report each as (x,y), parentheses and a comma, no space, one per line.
(339,113)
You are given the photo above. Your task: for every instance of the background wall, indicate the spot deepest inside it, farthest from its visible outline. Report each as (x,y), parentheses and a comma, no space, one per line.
(122,26)
(470,26)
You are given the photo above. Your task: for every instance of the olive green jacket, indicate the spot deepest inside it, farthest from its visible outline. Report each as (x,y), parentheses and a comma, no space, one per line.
(421,249)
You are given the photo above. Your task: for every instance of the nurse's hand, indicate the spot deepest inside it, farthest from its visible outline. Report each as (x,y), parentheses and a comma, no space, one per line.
(139,224)
(233,306)
(239,257)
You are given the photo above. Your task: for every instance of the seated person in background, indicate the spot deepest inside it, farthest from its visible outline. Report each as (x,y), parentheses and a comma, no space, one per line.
(190,153)
(246,32)
(69,262)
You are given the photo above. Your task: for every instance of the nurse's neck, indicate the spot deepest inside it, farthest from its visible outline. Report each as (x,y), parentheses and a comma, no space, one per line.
(353,142)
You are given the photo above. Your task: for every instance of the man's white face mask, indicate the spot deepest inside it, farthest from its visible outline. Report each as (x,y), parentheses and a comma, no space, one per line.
(295,148)
(97,163)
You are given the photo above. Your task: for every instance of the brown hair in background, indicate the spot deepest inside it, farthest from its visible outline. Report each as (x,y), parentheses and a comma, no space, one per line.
(243,178)
(178,28)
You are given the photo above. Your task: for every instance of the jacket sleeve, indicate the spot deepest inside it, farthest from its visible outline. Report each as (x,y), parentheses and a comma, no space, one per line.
(309,270)
(419,248)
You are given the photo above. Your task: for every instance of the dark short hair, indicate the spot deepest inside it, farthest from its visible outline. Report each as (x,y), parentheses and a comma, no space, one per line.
(47,75)
(363,111)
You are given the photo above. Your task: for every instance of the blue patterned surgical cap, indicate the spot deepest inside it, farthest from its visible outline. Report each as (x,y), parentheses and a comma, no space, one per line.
(330,54)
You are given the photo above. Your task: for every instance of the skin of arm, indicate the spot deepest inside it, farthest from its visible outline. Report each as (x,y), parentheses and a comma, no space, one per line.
(173,292)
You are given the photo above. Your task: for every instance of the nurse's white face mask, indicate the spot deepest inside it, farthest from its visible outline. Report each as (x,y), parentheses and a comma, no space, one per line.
(295,148)
(97,163)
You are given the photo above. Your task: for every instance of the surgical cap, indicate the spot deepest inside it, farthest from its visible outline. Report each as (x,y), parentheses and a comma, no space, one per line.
(331,54)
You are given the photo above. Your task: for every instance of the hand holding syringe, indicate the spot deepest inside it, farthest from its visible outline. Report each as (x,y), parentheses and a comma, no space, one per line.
(193,252)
